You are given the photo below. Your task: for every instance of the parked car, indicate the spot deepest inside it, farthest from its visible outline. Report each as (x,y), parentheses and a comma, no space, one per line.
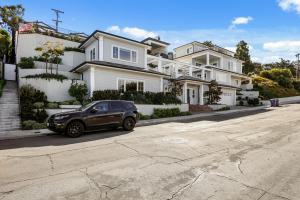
(95,116)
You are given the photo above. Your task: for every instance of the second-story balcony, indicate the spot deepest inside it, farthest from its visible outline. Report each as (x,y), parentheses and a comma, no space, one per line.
(177,69)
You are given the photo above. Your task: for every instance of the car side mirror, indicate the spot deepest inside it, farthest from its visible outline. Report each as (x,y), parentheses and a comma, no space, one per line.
(94,110)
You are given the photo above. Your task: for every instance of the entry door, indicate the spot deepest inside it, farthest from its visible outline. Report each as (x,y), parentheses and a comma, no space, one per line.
(9,72)
(188,96)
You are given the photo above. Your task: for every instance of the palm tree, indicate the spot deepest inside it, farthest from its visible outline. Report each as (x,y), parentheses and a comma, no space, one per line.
(11,17)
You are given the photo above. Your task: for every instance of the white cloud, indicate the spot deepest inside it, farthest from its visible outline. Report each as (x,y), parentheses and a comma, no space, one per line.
(279,46)
(288,5)
(241,20)
(114,28)
(138,32)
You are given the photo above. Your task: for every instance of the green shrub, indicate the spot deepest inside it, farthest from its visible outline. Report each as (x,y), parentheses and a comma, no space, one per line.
(28,96)
(186,113)
(253,102)
(241,103)
(76,103)
(41,115)
(52,60)
(2,83)
(79,91)
(224,108)
(144,117)
(296,84)
(39,105)
(52,105)
(138,97)
(74,49)
(26,63)
(282,76)
(31,124)
(47,76)
(166,112)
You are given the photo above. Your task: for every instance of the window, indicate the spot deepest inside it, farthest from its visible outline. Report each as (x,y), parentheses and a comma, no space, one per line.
(189,50)
(124,54)
(130,85)
(93,54)
(115,52)
(116,105)
(102,107)
(230,65)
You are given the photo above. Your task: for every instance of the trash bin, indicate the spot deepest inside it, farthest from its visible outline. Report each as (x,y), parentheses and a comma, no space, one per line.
(272,102)
(276,102)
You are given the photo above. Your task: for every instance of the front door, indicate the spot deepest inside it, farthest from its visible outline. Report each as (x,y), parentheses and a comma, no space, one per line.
(9,72)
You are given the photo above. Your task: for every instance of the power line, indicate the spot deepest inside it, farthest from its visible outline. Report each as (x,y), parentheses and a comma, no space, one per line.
(57,12)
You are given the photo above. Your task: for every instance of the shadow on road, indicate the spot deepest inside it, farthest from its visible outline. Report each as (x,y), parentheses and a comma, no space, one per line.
(58,140)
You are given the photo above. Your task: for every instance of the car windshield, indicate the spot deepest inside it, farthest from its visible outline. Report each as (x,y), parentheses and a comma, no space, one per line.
(86,106)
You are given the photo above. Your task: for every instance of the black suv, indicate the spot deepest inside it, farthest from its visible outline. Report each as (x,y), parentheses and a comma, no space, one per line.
(95,116)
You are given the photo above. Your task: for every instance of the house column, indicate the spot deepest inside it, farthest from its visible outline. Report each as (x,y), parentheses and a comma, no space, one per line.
(184,92)
(207,59)
(201,93)
(100,49)
(161,84)
(159,65)
(176,70)
(190,71)
(202,74)
(146,60)
(92,81)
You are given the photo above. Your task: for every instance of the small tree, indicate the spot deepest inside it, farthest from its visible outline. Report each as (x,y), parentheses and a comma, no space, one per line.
(11,17)
(45,53)
(79,91)
(5,44)
(208,43)
(57,52)
(214,92)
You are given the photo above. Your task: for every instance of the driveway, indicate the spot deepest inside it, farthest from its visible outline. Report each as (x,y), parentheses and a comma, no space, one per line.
(249,157)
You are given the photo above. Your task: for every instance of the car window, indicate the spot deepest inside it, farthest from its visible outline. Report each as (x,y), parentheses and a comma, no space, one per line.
(102,107)
(128,105)
(115,105)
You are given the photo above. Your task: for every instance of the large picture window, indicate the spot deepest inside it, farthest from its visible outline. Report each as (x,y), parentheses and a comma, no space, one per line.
(130,85)
(124,54)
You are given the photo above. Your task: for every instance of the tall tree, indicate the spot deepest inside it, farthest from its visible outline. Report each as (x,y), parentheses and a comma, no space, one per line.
(242,53)
(214,92)
(208,43)
(5,44)
(283,64)
(11,17)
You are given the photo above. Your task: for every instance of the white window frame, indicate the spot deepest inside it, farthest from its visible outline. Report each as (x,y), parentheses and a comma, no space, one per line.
(189,50)
(128,79)
(93,54)
(126,48)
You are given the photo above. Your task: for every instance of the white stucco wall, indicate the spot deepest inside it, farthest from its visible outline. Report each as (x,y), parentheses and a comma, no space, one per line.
(106,78)
(55,90)
(72,58)
(26,44)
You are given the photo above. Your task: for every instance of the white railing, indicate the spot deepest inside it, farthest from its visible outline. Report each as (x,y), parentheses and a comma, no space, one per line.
(176,69)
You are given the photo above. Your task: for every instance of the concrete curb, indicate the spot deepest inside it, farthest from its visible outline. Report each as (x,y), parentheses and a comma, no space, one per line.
(16,134)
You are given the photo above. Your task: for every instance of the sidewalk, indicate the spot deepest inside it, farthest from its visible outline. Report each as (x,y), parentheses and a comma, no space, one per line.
(42,132)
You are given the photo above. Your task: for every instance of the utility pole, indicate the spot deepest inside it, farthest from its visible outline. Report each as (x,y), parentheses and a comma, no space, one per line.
(57,12)
(297,71)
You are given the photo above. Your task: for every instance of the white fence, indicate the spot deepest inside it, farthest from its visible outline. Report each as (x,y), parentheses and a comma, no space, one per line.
(25,72)
(55,90)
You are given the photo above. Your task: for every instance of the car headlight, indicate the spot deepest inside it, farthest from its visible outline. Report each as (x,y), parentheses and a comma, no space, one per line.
(60,117)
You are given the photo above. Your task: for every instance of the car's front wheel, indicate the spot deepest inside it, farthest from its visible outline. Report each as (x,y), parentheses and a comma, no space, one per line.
(128,124)
(74,129)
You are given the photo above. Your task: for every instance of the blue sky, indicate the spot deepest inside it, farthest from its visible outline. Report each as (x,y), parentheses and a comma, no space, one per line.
(271,27)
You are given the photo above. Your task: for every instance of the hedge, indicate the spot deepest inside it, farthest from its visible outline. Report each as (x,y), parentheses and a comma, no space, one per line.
(137,97)
(2,83)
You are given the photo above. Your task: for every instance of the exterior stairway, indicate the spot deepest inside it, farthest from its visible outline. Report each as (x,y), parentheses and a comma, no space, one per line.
(200,108)
(9,108)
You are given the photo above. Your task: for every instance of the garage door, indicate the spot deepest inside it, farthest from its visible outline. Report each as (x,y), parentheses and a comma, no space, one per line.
(227,97)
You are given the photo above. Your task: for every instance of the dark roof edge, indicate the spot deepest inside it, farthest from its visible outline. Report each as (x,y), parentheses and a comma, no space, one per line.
(156,40)
(110,34)
(114,66)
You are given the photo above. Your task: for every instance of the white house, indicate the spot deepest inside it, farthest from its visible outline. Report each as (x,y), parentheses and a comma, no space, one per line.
(118,63)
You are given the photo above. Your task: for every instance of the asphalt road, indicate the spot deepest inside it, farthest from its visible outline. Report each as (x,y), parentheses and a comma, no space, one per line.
(248,156)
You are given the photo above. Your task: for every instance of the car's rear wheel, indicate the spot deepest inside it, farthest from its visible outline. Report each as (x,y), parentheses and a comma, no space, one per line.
(75,129)
(128,124)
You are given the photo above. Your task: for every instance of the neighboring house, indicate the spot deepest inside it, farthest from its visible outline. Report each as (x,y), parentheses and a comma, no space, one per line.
(117,63)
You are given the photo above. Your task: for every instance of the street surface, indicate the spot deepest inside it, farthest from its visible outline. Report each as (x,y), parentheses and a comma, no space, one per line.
(248,156)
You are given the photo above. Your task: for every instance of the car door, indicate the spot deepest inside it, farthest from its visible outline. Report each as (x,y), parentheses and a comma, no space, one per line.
(116,111)
(98,115)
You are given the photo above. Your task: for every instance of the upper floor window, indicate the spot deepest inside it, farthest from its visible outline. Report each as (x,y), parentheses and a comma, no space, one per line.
(93,54)
(230,65)
(124,54)
(189,50)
